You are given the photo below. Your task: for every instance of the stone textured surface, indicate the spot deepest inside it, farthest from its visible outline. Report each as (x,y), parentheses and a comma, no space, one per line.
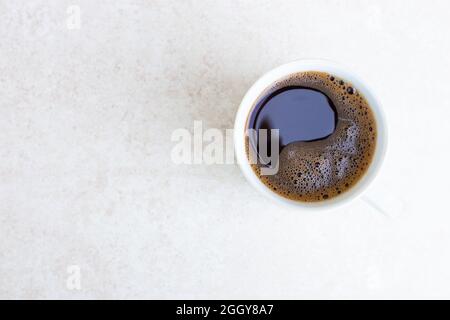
(86,179)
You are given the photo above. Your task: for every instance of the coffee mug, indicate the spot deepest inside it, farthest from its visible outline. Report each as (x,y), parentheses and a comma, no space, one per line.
(268,79)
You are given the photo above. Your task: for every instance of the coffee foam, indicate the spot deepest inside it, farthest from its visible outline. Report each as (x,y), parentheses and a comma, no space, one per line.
(320,170)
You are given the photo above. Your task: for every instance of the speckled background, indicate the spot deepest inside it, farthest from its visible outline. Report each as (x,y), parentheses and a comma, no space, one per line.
(86,177)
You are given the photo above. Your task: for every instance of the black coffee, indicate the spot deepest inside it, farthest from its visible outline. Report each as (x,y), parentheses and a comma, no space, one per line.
(327,135)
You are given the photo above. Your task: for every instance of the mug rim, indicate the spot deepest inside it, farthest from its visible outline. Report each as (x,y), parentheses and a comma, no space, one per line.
(304,65)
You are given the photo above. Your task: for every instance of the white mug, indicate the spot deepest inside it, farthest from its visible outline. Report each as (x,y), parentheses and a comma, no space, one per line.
(268,79)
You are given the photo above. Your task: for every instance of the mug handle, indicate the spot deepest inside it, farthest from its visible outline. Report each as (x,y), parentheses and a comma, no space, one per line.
(389,205)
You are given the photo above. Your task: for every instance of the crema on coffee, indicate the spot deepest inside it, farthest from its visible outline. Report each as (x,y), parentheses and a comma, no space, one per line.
(327,135)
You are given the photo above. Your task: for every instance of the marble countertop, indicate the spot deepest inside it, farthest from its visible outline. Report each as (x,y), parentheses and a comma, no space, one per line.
(91,205)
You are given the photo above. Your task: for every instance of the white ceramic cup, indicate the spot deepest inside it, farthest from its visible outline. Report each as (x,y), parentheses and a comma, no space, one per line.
(249,100)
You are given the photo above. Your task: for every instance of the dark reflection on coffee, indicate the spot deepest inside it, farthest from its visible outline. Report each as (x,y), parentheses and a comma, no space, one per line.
(301,114)
(327,135)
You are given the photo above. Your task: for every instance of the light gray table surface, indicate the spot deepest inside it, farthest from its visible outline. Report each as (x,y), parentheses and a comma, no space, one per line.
(86,179)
